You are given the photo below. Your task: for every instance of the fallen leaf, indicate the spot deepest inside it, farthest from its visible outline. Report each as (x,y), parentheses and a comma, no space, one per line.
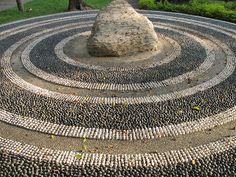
(197,108)
(71,110)
(180,112)
(53,137)
(78,156)
(126,104)
(85,147)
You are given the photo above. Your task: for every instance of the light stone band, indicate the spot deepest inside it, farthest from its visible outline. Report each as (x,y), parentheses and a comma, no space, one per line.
(136,86)
(231,58)
(113,134)
(227,71)
(62,56)
(118,160)
(213,158)
(23,28)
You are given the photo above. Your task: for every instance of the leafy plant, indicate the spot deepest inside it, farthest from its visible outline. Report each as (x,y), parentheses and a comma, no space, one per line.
(214,9)
(230,5)
(147,4)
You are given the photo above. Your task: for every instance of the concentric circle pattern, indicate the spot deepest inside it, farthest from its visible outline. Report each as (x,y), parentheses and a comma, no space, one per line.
(183,93)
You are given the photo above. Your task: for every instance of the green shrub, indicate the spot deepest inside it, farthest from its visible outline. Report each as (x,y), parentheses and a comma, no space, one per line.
(208,8)
(148,4)
(230,5)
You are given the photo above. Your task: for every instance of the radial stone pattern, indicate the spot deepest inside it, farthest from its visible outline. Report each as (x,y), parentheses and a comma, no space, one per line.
(169,112)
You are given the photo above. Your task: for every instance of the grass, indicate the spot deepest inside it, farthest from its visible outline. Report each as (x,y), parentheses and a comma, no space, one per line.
(213,9)
(43,7)
(97,4)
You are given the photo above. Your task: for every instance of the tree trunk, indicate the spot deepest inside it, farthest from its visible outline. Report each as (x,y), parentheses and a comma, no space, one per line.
(72,5)
(20,5)
(80,5)
(76,5)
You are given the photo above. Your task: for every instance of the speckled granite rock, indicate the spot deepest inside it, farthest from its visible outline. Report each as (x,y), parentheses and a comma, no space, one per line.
(120,30)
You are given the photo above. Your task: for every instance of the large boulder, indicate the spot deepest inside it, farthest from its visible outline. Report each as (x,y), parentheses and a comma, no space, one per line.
(119,30)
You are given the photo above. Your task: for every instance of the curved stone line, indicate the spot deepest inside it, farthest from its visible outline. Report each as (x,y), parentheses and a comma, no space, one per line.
(94,15)
(114,134)
(201,24)
(136,86)
(234,116)
(172,157)
(173,18)
(7,33)
(227,71)
(62,56)
(55,16)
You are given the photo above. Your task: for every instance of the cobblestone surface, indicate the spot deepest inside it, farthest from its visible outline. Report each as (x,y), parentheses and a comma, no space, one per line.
(194,91)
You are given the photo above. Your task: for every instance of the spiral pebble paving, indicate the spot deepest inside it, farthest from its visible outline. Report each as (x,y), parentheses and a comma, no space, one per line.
(171,113)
